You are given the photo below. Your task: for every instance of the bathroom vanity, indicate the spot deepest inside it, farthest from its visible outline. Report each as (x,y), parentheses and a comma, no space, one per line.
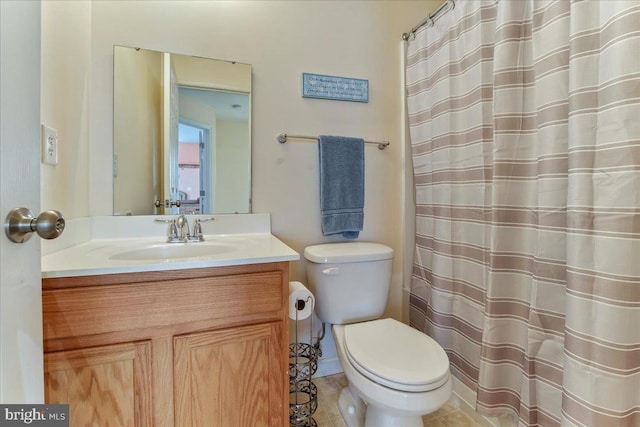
(184,342)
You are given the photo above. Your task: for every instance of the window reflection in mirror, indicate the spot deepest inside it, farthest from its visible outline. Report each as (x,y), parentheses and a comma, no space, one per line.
(182,134)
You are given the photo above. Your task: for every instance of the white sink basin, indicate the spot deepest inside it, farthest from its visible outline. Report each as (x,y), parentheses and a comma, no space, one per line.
(173,251)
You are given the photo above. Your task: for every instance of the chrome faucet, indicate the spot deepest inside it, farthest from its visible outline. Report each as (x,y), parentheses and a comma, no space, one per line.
(178,231)
(182,224)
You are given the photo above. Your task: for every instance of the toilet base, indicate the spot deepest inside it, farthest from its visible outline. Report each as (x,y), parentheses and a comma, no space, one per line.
(357,414)
(376,417)
(352,408)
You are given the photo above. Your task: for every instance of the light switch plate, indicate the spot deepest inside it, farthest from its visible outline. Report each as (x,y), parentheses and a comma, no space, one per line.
(49,138)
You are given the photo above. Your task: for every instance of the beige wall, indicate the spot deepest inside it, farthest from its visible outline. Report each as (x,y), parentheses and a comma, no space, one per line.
(281,40)
(137,112)
(64,104)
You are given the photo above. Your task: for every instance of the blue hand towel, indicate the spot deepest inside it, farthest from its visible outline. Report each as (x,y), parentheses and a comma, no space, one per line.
(341,185)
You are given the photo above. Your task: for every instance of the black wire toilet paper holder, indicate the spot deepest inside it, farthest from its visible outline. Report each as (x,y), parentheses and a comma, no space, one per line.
(303,364)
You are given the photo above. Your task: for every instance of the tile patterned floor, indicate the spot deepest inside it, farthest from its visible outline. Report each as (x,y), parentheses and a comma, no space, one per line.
(328,414)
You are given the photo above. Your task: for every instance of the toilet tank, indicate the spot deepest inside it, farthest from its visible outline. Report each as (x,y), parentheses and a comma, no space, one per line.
(350,280)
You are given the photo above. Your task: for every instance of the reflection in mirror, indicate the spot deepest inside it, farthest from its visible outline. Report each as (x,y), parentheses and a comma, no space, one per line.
(182,134)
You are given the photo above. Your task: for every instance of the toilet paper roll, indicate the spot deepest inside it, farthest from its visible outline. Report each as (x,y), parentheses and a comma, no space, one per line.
(301,301)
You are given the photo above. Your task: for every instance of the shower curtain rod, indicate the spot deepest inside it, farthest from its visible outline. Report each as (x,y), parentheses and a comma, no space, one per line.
(429,18)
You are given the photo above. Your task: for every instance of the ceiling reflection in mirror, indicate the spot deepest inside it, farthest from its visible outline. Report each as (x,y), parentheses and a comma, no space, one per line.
(182,134)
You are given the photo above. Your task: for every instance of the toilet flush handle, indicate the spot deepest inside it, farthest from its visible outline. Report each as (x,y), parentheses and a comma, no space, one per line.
(331,271)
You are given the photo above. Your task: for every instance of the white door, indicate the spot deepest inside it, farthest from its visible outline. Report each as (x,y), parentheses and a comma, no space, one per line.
(21,371)
(202,158)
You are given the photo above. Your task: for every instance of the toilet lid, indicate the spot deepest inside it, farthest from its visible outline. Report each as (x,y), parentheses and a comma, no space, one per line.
(396,355)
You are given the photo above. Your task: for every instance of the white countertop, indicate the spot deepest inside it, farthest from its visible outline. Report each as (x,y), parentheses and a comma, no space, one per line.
(110,256)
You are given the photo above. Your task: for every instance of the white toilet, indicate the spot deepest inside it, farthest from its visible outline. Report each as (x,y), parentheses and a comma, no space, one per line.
(396,374)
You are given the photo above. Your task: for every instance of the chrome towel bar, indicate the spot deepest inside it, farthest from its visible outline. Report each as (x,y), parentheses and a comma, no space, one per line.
(282,138)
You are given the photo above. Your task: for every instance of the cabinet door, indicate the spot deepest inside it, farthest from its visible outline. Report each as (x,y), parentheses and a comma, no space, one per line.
(104,386)
(230,378)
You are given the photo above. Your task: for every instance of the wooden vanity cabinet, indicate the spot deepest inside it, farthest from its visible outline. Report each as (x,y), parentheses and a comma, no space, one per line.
(201,347)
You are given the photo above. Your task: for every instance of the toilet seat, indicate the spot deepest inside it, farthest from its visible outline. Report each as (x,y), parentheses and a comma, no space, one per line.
(396,355)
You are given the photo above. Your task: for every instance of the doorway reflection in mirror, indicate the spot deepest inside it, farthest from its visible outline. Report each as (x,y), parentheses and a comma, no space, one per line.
(158,97)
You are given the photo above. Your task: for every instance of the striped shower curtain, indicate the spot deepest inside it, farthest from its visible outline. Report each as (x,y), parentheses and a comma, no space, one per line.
(525,130)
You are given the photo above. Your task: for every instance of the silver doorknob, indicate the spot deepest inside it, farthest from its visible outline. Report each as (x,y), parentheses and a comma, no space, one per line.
(20,223)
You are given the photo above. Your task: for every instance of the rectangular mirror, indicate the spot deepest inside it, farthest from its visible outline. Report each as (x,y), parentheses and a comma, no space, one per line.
(182,134)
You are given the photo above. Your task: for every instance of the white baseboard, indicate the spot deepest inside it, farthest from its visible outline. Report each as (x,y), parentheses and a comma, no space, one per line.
(328,367)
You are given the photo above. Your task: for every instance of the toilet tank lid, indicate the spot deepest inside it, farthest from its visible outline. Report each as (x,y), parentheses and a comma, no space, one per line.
(337,253)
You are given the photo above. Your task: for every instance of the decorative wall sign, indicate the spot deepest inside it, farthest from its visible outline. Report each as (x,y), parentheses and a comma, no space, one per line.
(332,87)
